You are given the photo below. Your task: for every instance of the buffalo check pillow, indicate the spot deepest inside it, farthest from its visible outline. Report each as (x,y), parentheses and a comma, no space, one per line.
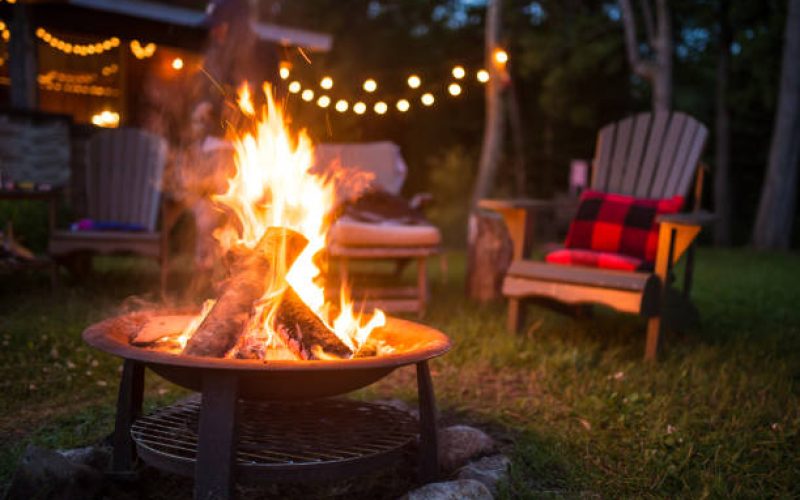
(608,223)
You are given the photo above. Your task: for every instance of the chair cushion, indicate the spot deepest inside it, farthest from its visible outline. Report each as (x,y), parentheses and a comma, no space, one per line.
(347,232)
(621,224)
(593,258)
(107,242)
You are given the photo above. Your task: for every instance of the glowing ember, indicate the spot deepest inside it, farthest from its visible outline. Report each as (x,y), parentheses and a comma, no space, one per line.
(273,186)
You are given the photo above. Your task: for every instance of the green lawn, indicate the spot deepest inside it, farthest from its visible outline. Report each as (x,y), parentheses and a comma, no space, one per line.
(570,399)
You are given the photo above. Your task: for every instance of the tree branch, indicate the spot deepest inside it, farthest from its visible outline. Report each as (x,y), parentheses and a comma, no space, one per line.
(639,66)
(649,22)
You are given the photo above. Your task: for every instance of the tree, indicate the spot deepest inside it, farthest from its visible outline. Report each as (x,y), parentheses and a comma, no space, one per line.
(722,189)
(778,194)
(493,128)
(656,69)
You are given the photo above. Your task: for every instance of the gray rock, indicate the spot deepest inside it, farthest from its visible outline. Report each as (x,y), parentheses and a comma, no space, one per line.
(44,473)
(96,457)
(487,470)
(399,404)
(460,443)
(462,489)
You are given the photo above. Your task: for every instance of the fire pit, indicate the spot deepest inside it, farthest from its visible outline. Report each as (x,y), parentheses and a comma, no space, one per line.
(263,420)
(269,345)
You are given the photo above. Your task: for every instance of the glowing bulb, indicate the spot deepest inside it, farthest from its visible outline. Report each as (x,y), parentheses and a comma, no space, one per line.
(341,105)
(381,107)
(427,99)
(414,81)
(177,64)
(39,31)
(359,108)
(294,87)
(284,72)
(307,95)
(500,56)
(454,89)
(326,83)
(482,76)
(370,85)
(403,105)
(459,72)
(323,101)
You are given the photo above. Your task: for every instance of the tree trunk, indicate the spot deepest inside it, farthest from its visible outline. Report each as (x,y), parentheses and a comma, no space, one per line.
(778,195)
(22,64)
(489,254)
(518,139)
(722,189)
(493,128)
(658,70)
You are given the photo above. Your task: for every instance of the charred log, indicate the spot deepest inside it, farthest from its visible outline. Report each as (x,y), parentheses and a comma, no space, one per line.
(303,333)
(250,272)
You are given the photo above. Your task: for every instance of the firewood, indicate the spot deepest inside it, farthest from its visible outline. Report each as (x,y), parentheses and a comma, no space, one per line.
(251,270)
(159,327)
(304,333)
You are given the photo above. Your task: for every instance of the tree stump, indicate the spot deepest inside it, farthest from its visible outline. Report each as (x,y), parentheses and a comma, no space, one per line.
(489,254)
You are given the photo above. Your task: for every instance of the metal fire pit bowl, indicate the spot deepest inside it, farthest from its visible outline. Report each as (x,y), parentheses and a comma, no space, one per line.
(280,379)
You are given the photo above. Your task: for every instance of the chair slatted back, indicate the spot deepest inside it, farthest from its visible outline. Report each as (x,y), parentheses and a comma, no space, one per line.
(123,178)
(648,155)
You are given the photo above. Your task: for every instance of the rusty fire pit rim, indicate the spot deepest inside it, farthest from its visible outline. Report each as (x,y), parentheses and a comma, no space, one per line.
(97,335)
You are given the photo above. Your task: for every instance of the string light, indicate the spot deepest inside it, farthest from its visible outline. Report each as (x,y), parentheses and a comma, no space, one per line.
(500,56)
(284,72)
(106,119)
(454,89)
(370,85)
(414,81)
(294,87)
(326,83)
(75,48)
(341,106)
(482,76)
(459,72)
(307,95)
(109,69)
(359,108)
(323,101)
(403,105)
(380,107)
(177,64)
(427,99)
(142,52)
(6,34)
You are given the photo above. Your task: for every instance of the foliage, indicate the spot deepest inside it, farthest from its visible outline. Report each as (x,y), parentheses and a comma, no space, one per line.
(450,179)
(570,400)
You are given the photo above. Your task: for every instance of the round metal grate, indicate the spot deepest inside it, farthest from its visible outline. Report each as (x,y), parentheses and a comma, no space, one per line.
(283,440)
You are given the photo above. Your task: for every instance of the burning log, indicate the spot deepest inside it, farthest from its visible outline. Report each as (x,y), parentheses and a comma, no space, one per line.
(304,333)
(250,272)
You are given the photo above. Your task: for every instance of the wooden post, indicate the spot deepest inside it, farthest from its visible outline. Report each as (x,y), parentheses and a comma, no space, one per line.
(488,256)
(23,67)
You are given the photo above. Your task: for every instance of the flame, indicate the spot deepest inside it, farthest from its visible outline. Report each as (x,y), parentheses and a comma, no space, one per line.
(273,186)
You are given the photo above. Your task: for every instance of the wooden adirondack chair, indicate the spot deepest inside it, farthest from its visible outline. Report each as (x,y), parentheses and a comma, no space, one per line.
(647,156)
(123,184)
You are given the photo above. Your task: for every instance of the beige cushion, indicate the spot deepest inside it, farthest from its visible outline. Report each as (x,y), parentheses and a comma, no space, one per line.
(347,232)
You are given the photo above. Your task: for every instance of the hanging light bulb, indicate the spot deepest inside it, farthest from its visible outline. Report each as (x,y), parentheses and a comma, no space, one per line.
(370,85)
(323,101)
(359,108)
(454,89)
(381,107)
(427,99)
(326,83)
(403,105)
(482,76)
(307,95)
(341,105)
(284,72)
(500,56)
(177,64)
(459,72)
(294,87)
(414,81)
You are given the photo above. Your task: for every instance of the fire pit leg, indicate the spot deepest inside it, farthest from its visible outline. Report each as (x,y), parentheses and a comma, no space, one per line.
(129,408)
(216,449)
(428,442)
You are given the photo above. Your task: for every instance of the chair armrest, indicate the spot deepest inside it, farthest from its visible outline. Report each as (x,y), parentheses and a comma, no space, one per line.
(697,218)
(520,217)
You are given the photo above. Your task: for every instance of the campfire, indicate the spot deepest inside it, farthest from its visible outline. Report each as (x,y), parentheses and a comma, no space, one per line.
(272,304)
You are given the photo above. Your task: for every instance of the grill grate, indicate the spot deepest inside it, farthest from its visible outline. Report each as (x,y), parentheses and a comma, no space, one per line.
(284,435)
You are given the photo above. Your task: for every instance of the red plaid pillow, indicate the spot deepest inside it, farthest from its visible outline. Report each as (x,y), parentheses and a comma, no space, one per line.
(616,223)
(593,258)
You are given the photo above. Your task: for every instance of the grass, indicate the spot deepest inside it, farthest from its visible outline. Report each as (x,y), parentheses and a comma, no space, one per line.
(570,399)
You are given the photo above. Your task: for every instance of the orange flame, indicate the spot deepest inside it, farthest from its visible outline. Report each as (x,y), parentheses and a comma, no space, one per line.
(273,186)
